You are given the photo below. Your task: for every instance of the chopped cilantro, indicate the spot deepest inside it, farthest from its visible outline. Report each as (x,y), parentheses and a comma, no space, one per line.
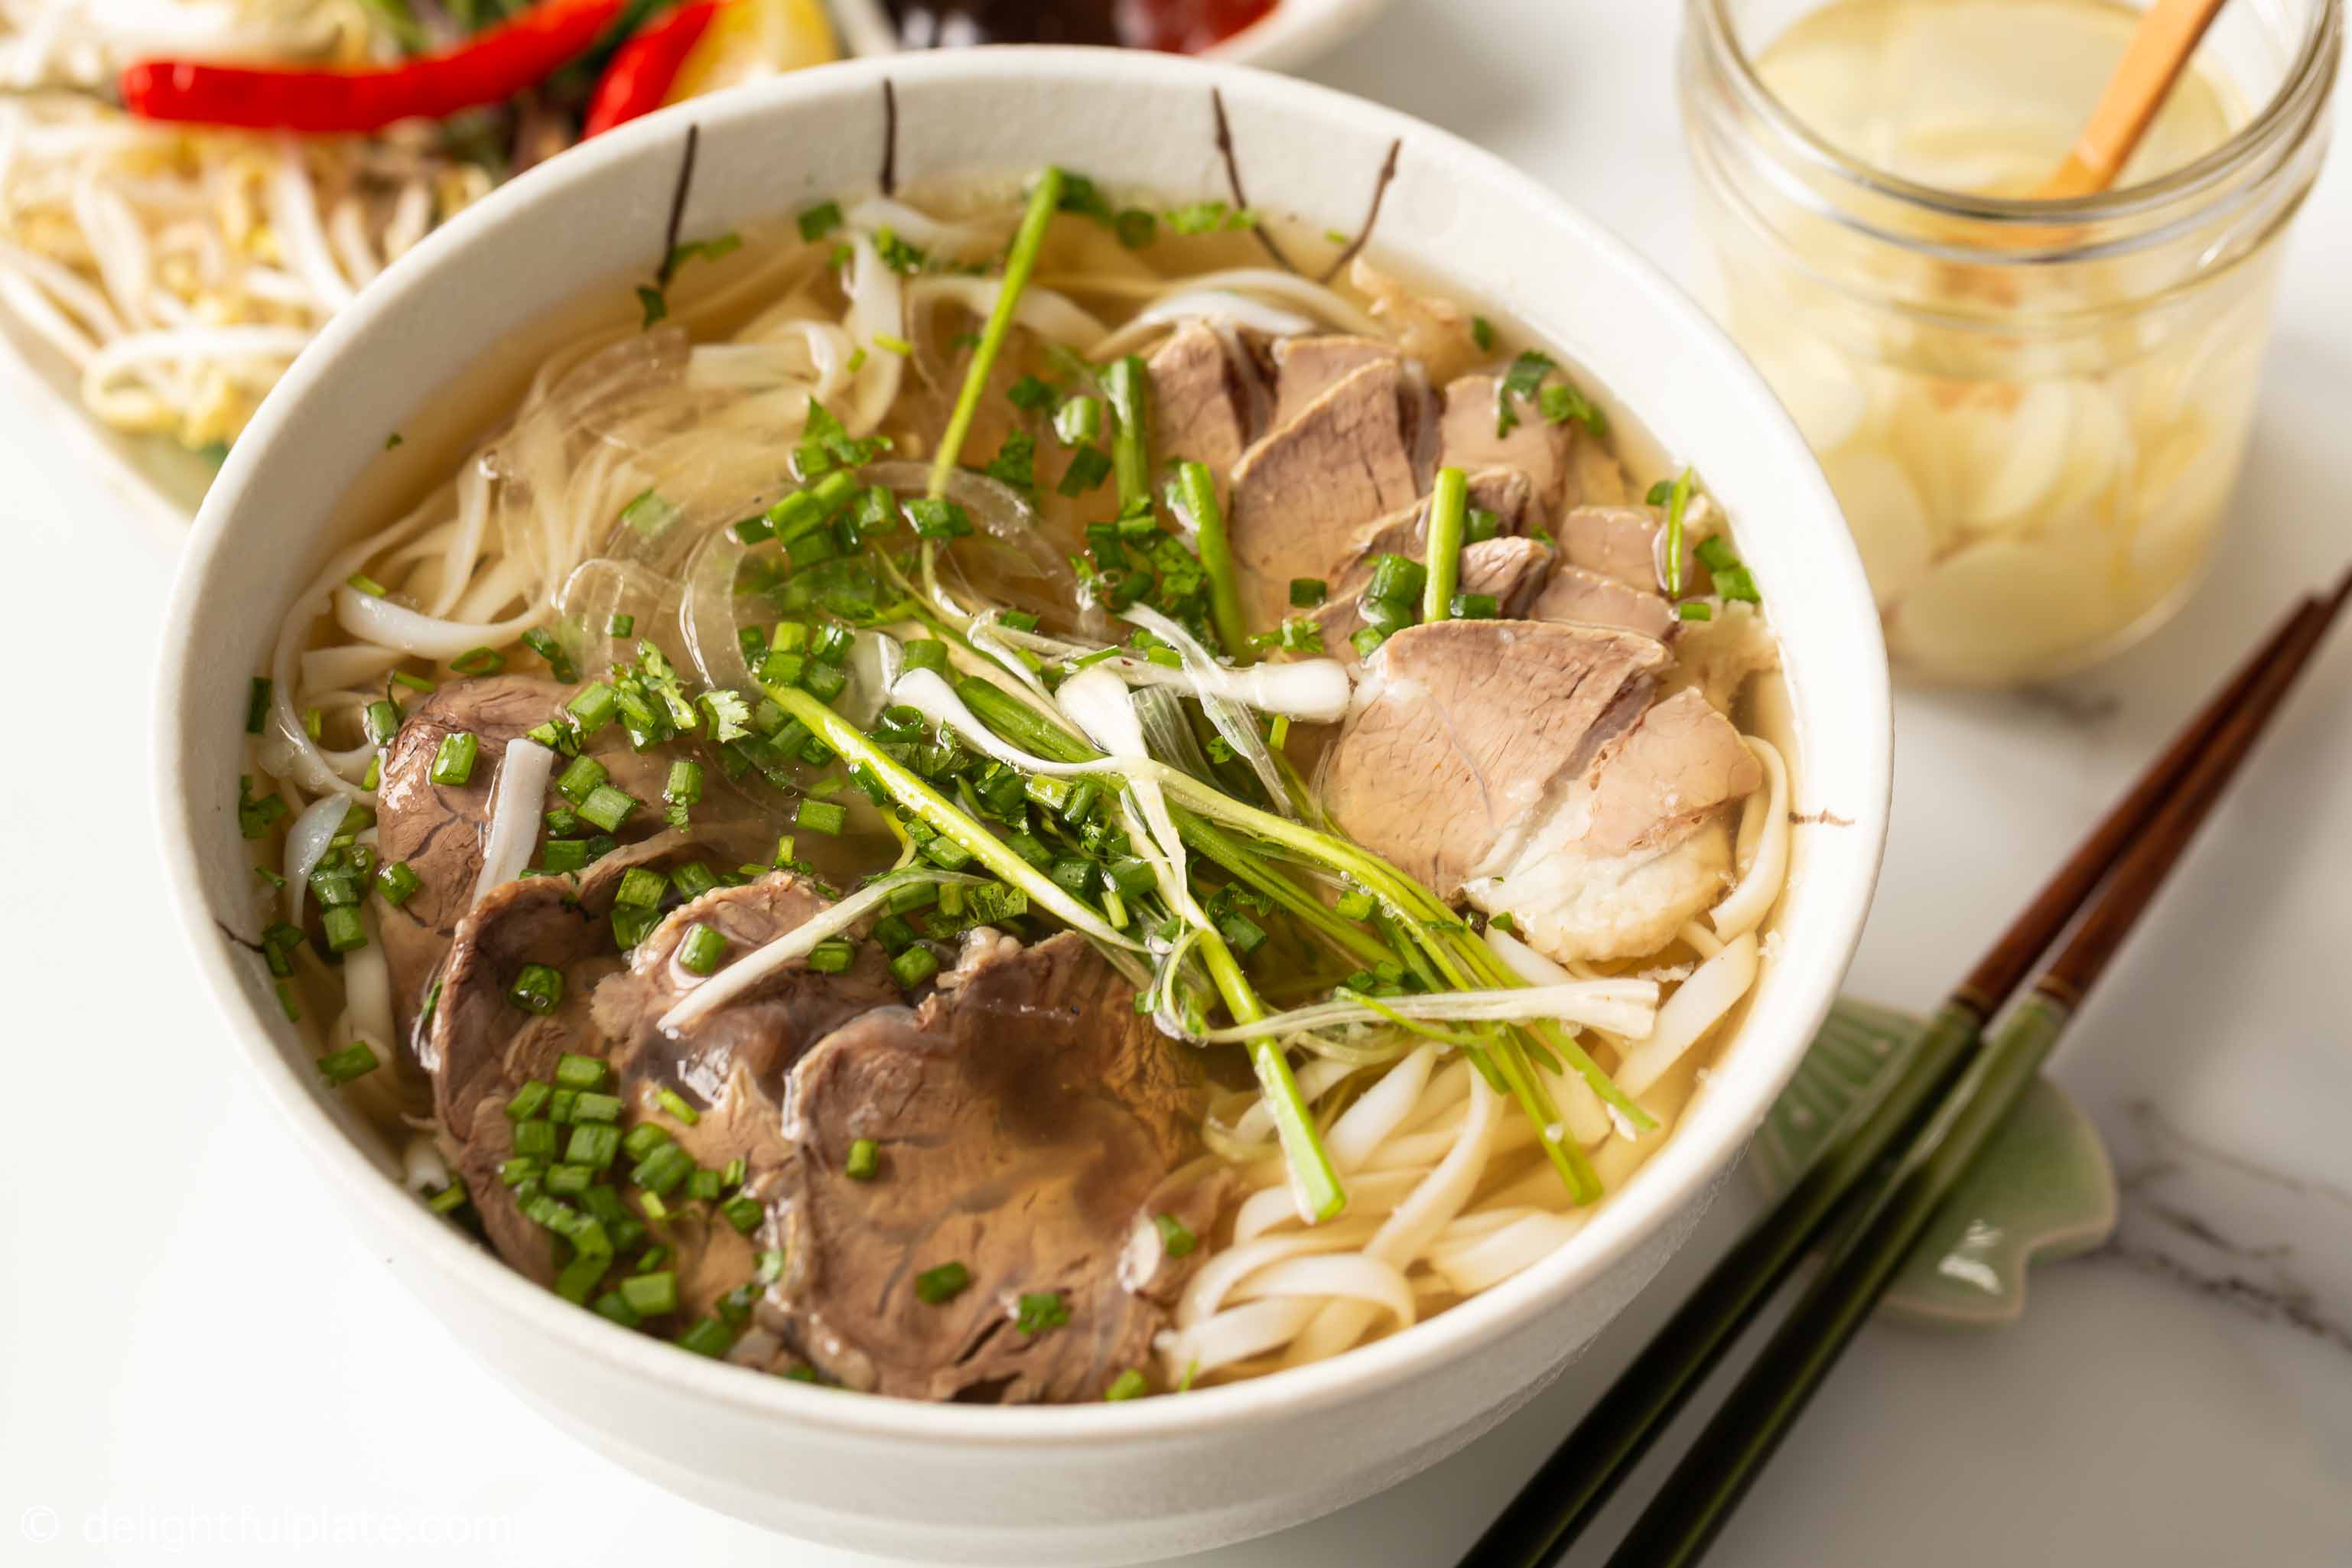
(820,220)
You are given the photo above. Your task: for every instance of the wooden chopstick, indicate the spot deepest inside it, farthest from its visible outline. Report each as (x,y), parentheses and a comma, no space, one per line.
(2168,33)
(1573,1486)
(1691,1509)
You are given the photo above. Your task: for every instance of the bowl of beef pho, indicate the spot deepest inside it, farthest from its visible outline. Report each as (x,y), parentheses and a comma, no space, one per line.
(1089,787)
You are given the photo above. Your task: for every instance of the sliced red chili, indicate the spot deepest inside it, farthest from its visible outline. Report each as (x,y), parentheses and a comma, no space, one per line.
(644,69)
(489,67)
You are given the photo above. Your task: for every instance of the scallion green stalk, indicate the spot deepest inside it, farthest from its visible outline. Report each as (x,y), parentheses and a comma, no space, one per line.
(1198,490)
(1019,263)
(1128,387)
(1449,513)
(910,792)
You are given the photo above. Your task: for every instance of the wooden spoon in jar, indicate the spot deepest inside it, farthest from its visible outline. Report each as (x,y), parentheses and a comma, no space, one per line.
(2169,33)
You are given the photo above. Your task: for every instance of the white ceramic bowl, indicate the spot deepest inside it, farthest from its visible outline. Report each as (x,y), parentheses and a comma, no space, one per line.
(1106,1484)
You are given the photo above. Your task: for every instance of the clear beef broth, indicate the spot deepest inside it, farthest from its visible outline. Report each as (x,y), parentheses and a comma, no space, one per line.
(639,1043)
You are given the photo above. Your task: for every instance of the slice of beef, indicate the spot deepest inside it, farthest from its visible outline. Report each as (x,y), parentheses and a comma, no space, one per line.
(1578,594)
(1506,492)
(479,1044)
(1302,496)
(440,829)
(711,1256)
(1468,437)
(1201,405)
(1636,846)
(1460,733)
(1625,542)
(1305,368)
(763,1031)
(1027,1124)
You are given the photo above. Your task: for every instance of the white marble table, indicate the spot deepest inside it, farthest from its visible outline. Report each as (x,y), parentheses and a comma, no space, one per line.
(196,1363)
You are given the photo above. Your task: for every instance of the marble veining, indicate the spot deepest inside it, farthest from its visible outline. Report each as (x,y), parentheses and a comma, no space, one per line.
(2219,1223)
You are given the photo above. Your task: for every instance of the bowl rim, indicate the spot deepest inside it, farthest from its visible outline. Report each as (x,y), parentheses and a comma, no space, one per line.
(1681,1172)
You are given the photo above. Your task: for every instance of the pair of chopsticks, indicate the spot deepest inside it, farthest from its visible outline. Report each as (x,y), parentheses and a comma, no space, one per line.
(1873,1191)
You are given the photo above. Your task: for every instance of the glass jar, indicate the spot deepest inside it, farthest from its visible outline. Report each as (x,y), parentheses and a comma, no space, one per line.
(2032,412)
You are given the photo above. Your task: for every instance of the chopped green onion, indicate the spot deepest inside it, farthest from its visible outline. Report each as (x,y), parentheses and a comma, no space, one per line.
(651,1295)
(820,220)
(576,1072)
(1128,1384)
(675,1103)
(538,988)
(1129,386)
(381,721)
(1695,610)
(343,929)
(1306,592)
(1020,262)
(1449,502)
(397,883)
(257,704)
(529,1100)
(542,642)
(453,764)
(641,884)
(710,1337)
(592,1143)
(650,515)
(1175,1234)
(937,1286)
(607,807)
(1078,421)
(1677,502)
(699,952)
(914,966)
(1040,1312)
(361,583)
(825,817)
(743,1213)
(355,1060)
(864,1159)
(478,661)
(1475,607)
(595,707)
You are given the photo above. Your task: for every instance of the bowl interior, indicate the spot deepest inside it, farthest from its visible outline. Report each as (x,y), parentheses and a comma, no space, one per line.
(415,355)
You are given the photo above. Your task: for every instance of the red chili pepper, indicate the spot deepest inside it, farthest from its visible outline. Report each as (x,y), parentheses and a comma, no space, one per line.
(489,67)
(644,69)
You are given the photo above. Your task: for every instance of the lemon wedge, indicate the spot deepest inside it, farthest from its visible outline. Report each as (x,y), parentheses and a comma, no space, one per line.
(752,39)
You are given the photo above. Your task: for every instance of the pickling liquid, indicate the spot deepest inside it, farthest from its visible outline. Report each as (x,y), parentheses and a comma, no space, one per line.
(2023,505)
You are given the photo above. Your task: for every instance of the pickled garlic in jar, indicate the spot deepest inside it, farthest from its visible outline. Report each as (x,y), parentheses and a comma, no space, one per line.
(2024,491)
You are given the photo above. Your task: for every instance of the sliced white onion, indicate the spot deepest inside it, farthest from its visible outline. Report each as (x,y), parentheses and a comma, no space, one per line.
(928,692)
(874,663)
(1764,850)
(1098,703)
(1627,1008)
(515,805)
(1691,1011)
(305,842)
(1232,721)
(799,942)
